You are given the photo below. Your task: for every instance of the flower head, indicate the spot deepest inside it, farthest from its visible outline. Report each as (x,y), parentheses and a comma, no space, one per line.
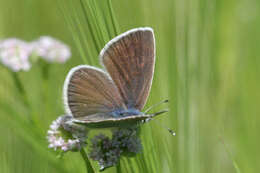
(104,151)
(15,53)
(108,151)
(51,49)
(60,138)
(127,140)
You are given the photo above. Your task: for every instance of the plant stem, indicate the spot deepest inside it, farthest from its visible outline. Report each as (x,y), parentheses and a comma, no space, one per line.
(230,155)
(22,94)
(113,18)
(118,167)
(87,162)
(45,87)
(21,89)
(45,70)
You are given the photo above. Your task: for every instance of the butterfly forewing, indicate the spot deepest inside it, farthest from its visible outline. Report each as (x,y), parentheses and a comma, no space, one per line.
(90,90)
(129,59)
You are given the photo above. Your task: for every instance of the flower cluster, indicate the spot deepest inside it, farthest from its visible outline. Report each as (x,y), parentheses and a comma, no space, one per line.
(127,140)
(104,151)
(108,151)
(66,137)
(51,50)
(15,54)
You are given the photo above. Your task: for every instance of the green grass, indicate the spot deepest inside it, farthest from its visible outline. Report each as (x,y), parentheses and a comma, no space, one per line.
(207,65)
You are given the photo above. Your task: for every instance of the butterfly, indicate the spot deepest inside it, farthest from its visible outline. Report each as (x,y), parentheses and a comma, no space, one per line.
(114,96)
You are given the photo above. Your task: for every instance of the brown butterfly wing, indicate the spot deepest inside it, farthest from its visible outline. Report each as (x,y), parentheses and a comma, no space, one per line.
(89,90)
(129,59)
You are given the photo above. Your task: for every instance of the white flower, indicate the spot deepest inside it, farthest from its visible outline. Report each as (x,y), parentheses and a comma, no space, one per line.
(56,141)
(15,53)
(51,49)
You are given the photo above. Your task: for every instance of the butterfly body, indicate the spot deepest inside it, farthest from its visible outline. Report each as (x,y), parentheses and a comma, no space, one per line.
(115,96)
(125,113)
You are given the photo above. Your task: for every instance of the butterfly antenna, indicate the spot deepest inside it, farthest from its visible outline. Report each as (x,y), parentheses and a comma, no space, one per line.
(157,104)
(160,112)
(172,132)
(153,115)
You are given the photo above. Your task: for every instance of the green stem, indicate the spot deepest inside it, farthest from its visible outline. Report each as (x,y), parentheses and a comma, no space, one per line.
(113,18)
(230,155)
(22,94)
(20,89)
(45,87)
(118,167)
(45,71)
(87,162)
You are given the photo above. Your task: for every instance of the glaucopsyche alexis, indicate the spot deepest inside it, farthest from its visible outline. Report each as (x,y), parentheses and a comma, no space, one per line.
(115,96)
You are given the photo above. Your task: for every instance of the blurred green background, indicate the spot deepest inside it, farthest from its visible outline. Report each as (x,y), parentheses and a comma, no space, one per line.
(207,64)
